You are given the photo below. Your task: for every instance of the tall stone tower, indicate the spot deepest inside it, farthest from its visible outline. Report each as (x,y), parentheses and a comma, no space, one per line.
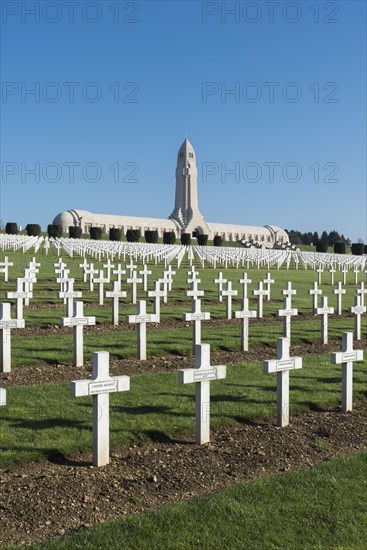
(186,211)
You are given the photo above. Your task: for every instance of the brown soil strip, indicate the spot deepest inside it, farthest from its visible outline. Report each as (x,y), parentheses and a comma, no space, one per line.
(42,500)
(60,373)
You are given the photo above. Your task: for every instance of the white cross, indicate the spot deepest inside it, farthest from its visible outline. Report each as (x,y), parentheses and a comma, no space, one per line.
(197,316)
(119,271)
(289,292)
(157,294)
(169,272)
(145,272)
(229,293)
(260,292)
(268,281)
(5,268)
(245,281)
(314,292)
(193,273)
(2,397)
(109,267)
(361,291)
(134,281)
(63,281)
(319,272)
(100,386)
(6,324)
(346,358)
(201,375)
(356,271)
(245,314)
(344,271)
(194,293)
(78,321)
(91,272)
(115,294)
(69,294)
(220,282)
(358,311)
(287,313)
(324,311)
(19,295)
(101,280)
(131,267)
(59,264)
(332,271)
(165,282)
(84,265)
(282,365)
(338,291)
(142,318)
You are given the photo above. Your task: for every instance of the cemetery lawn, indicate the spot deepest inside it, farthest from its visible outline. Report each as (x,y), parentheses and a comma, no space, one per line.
(321,508)
(43,422)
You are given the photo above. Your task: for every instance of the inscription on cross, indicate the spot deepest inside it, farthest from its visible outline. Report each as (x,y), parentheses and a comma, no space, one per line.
(99,387)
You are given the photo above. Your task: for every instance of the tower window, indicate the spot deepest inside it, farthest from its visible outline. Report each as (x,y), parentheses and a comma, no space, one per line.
(191,155)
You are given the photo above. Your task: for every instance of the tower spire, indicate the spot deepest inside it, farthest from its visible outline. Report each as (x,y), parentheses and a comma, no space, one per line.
(186,211)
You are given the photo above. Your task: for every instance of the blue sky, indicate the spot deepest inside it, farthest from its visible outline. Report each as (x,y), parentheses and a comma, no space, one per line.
(145,75)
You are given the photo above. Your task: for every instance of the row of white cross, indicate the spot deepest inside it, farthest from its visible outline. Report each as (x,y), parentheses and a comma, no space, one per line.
(102,384)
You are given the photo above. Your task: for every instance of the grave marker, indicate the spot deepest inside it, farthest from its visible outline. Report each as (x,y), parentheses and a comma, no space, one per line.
(324,311)
(116,293)
(260,293)
(19,295)
(229,293)
(78,321)
(157,294)
(245,315)
(220,282)
(2,397)
(6,325)
(197,316)
(314,292)
(100,386)
(268,281)
(339,291)
(142,318)
(282,365)
(201,375)
(134,281)
(358,311)
(346,358)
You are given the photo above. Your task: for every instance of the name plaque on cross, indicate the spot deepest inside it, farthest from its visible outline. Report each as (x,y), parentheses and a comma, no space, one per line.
(109,386)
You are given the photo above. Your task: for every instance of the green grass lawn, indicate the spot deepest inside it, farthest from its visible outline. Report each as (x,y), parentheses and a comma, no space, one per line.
(323,508)
(43,421)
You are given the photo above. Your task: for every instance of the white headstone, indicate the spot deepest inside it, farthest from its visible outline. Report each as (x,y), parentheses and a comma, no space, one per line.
(260,293)
(339,291)
(197,316)
(358,311)
(346,358)
(116,293)
(324,311)
(78,321)
(6,324)
(282,365)
(245,314)
(142,318)
(220,282)
(157,294)
(100,386)
(229,293)
(314,292)
(201,375)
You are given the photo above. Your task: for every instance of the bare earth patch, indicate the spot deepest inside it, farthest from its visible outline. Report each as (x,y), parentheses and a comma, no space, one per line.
(43,500)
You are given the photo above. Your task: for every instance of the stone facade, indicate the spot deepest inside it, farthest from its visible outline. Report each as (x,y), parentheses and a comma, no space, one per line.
(185,218)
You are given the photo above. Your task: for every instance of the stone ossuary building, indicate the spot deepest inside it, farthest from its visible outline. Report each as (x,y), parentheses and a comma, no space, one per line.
(185,218)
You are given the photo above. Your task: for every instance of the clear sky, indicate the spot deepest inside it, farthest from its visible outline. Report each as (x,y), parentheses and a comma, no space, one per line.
(117,86)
